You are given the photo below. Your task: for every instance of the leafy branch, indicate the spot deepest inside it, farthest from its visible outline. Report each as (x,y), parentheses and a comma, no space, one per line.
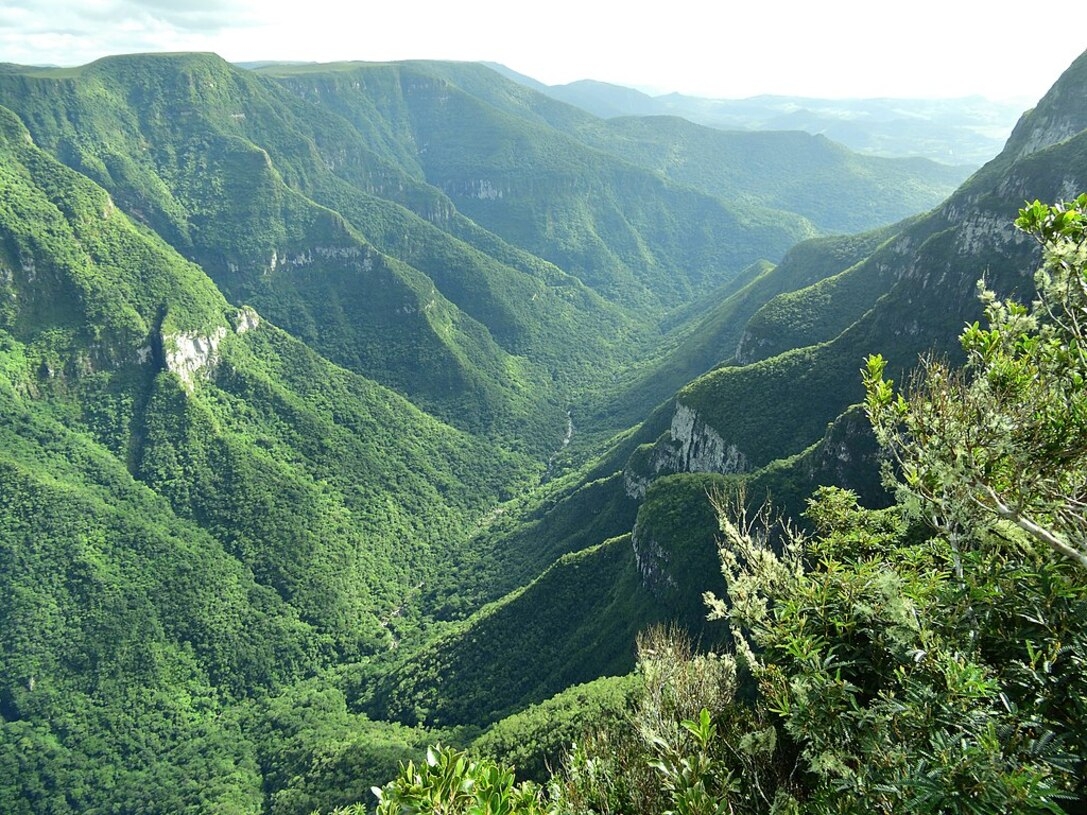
(1005,437)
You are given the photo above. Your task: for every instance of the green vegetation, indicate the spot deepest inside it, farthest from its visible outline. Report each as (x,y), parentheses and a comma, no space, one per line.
(1006,438)
(813,314)
(535,740)
(623,231)
(927,657)
(905,296)
(452,782)
(179,541)
(780,170)
(559,630)
(576,621)
(341,413)
(301,190)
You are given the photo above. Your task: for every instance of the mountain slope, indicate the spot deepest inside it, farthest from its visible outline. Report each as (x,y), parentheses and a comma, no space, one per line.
(240,425)
(791,171)
(575,622)
(198,509)
(782,422)
(624,232)
(929,273)
(217,182)
(499,304)
(728,328)
(221,540)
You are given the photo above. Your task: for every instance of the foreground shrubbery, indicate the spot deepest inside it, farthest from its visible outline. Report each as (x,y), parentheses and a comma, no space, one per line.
(925,658)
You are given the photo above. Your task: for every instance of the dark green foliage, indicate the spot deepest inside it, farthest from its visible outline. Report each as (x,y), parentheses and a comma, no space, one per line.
(125,630)
(799,392)
(923,658)
(1005,439)
(557,631)
(314,753)
(709,332)
(847,456)
(334,491)
(675,544)
(534,741)
(285,511)
(876,669)
(563,628)
(153,753)
(815,313)
(520,540)
(679,749)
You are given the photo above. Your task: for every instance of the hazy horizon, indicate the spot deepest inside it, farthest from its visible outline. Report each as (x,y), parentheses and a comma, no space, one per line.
(840,50)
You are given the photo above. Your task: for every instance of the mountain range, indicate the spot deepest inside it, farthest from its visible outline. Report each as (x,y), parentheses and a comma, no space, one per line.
(968,130)
(348,407)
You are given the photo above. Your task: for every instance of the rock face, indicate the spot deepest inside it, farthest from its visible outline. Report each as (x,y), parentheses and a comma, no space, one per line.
(848,456)
(187,352)
(635,483)
(689,446)
(1060,115)
(751,347)
(698,448)
(246,319)
(652,563)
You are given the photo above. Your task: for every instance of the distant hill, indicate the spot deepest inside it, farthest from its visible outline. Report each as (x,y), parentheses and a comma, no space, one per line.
(967,131)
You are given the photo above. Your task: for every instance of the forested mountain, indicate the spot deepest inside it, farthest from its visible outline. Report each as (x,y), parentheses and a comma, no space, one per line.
(291,360)
(310,214)
(197,507)
(775,410)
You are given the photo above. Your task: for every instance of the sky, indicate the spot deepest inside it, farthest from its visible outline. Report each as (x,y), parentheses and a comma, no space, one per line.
(713,48)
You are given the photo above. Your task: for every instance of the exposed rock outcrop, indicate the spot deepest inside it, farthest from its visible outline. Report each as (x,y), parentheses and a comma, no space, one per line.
(1060,115)
(245,319)
(652,563)
(698,448)
(689,446)
(187,353)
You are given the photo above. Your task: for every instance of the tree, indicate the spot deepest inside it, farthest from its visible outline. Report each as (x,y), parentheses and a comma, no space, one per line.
(895,686)
(940,668)
(900,666)
(1005,437)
